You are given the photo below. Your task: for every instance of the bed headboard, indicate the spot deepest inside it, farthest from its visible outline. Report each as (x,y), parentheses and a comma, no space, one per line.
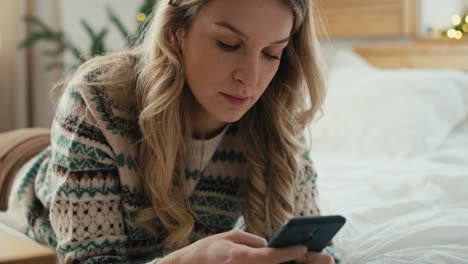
(383,19)
(368,18)
(420,54)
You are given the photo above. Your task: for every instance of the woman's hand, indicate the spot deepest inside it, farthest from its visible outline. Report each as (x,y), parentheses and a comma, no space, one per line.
(232,247)
(316,258)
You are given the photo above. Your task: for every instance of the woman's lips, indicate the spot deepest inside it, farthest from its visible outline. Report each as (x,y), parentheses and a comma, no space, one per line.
(235,100)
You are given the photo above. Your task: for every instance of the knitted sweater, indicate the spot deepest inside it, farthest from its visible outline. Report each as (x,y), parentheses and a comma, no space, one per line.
(81,194)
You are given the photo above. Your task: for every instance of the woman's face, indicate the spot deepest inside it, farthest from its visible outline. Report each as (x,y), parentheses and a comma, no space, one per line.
(232,51)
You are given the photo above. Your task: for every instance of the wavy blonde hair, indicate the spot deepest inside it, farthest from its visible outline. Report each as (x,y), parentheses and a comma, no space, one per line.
(272,127)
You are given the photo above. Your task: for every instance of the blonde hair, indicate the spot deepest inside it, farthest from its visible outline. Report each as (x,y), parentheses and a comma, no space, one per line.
(154,70)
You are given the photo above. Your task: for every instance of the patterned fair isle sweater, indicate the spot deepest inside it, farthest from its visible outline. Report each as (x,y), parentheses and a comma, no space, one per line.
(80,195)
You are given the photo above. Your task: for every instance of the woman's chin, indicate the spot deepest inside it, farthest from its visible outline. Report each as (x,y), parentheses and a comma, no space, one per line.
(231,118)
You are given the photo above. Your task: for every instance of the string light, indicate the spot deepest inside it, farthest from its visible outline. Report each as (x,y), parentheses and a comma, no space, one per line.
(141,17)
(451,33)
(459,29)
(456,20)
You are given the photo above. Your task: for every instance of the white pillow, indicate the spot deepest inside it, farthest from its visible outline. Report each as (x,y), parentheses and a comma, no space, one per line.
(372,112)
(348,59)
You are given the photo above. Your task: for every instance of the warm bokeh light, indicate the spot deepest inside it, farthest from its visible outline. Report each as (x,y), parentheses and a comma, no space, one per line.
(465,28)
(458,34)
(141,17)
(456,20)
(451,33)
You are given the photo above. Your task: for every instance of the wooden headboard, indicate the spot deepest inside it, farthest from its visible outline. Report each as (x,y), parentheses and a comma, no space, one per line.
(367,18)
(420,54)
(383,19)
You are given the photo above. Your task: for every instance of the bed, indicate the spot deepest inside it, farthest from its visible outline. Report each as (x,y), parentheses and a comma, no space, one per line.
(391,148)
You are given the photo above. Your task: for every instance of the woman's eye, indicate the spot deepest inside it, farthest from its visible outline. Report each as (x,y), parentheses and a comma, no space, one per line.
(271,57)
(227,47)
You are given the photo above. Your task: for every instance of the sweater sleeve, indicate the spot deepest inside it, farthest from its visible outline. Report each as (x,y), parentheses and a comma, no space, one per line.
(85,208)
(307,196)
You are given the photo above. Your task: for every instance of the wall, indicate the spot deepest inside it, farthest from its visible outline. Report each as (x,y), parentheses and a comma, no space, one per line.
(42,109)
(437,14)
(94,12)
(58,14)
(8,58)
(434,13)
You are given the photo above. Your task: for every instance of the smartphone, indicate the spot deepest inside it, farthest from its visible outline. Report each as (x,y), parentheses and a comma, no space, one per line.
(314,232)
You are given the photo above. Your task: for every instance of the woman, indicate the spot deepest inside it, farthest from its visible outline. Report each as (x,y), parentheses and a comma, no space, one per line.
(159,150)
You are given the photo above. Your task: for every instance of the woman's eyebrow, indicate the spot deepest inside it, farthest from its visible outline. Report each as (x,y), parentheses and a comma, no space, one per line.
(243,35)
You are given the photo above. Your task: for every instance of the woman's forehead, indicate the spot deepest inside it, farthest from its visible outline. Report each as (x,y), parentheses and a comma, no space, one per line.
(270,19)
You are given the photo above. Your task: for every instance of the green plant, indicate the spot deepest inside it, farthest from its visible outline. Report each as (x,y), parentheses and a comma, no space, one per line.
(62,44)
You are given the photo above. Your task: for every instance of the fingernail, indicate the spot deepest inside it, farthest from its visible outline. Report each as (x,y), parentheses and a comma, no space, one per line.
(303,249)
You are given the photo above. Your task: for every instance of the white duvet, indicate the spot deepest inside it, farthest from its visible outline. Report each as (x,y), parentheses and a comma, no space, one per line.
(405,199)
(398,212)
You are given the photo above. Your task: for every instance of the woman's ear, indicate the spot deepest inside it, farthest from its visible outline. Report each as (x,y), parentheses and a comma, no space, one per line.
(179,39)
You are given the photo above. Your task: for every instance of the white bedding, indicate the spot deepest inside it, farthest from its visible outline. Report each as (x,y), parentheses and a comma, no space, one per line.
(409,207)
(397,212)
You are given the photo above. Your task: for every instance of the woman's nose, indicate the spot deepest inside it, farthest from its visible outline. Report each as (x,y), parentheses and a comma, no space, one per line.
(248,72)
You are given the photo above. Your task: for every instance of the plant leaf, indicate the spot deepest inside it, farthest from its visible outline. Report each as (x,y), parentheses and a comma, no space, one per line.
(98,45)
(54,65)
(33,38)
(117,22)
(88,29)
(54,52)
(37,21)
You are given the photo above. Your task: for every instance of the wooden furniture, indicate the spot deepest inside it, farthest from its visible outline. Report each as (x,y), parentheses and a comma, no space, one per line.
(14,250)
(367,18)
(420,54)
(384,19)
